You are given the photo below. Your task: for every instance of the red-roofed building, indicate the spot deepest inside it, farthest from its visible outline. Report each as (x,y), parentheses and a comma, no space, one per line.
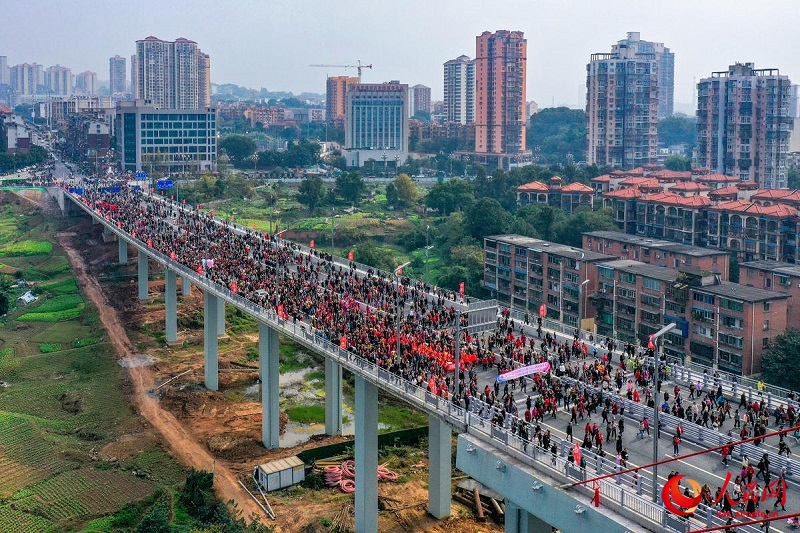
(671,175)
(670,216)
(754,232)
(717,181)
(568,198)
(687,188)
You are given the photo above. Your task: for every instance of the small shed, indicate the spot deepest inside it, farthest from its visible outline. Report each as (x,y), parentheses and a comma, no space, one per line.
(282,473)
(27,298)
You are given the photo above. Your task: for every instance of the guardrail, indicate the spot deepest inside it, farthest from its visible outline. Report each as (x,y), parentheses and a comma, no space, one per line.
(628,503)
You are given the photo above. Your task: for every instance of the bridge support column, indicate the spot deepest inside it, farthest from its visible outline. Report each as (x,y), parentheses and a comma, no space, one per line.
(143,275)
(269,372)
(171,301)
(440,453)
(521,521)
(123,252)
(220,317)
(186,285)
(95,221)
(333,397)
(366,452)
(211,341)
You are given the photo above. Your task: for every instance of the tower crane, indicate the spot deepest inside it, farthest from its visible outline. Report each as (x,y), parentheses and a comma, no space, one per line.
(360,66)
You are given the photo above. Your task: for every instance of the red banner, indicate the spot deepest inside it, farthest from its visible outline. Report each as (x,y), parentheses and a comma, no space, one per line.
(311,245)
(461,288)
(650,343)
(343,342)
(200,270)
(150,243)
(576,453)
(234,287)
(542,310)
(350,256)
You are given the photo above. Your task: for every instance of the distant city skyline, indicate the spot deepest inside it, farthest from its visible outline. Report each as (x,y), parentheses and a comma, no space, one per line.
(256,45)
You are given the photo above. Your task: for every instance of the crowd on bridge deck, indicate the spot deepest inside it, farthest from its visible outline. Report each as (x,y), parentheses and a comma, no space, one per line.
(357,310)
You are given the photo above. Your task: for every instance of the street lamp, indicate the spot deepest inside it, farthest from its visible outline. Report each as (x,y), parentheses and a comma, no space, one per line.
(385,157)
(427,247)
(580,305)
(656,400)
(396,164)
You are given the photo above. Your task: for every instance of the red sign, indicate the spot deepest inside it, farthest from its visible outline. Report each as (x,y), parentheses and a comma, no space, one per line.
(312,244)
(461,288)
(150,243)
(399,271)
(576,453)
(542,311)
(350,256)
(650,343)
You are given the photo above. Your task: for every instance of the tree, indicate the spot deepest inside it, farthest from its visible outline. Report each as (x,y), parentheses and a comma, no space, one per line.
(406,191)
(678,162)
(557,132)
(4,303)
(734,269)
(156,520)
(678,129)
(350,185)
(793,176)
(238,147)
(781,359)
(487,217)
(311,192)
(451,195)
(366,252)
(569,231)
(391,195)
(543,218)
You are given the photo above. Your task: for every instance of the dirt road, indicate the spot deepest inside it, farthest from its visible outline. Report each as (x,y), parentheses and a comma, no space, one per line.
(186,449)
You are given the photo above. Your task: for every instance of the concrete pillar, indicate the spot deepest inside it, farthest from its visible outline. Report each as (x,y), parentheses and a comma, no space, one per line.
(220,317)
(440,455)
(366,452)
(269,372)
(143,276)
(333,397)
(186,285)
(521,521)
(211,341)
(95,221)
(123,252)
(171,301)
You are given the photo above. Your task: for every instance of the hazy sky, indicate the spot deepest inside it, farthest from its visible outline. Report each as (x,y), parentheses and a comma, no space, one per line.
(270,43)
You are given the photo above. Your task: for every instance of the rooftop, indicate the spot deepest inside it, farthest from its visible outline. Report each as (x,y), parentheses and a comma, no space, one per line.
(630,192)
(718,178)
(736,291)
(778,267)
(577,187)
(743,206)
(533,186)
(550,247)
(694,251)
(670,198)
(642,269)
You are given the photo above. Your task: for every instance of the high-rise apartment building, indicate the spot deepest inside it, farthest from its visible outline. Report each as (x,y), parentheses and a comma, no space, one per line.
(58,80)
(334,97)
(500,96)
(5,74)
(134,75)
(459,90)
(86,83)
(168,73)
(27,79)
(203,79)
(622,108)
(743,124)
(419,100)
(666,69)
(376,123)
(116,71)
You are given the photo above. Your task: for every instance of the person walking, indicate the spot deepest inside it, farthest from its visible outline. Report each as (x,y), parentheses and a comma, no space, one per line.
(676,441)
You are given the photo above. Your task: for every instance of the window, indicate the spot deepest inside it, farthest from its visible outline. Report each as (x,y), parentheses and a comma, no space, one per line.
(650,300)
(765,342)
(652,284)
(784,280)
(627,294)
(704,298)
(731,305)
(766,307)
(767,283)
(606,272)
(703,331)
(751,273)
(766,325)
(732,322)
(626,277)
(731,340)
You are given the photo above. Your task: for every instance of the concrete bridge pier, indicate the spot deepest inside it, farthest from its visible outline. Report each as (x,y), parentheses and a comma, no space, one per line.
(171,301)
(186,285)
(220,317)
(123,252)
(143,275)
(211,340)
(519,520)
(440,452)
(366,452)
(269,373)
(333,397)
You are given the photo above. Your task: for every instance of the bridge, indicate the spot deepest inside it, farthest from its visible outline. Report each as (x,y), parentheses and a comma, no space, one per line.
(492,452)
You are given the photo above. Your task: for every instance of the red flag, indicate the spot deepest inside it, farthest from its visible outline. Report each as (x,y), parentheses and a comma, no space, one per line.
(343,342)
(233,218)
(280,310)
(172,255)
(650,343)
(198,207)
(200,270)
(461,288)
(432,384)
(350,256)
(150,243)
(312,244)
(576,453)
(542,310)
(234,287)
(119,225)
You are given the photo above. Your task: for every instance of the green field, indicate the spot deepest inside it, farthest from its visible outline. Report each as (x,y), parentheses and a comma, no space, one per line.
(65,399)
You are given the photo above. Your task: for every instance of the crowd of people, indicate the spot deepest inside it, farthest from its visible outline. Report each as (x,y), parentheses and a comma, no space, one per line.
(359,310)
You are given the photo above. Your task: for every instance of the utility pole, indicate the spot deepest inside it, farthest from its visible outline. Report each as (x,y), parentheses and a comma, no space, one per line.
(656,401)
(427,248)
